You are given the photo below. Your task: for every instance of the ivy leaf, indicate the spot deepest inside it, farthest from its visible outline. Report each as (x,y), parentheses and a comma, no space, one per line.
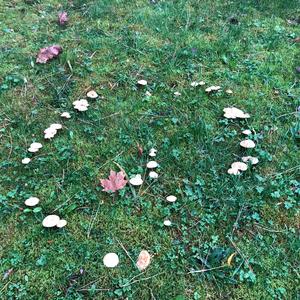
(116,181)
(48,53)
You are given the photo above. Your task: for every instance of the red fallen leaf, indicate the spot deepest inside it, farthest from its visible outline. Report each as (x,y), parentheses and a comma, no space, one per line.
(116,181)
(48,53)
(63,18)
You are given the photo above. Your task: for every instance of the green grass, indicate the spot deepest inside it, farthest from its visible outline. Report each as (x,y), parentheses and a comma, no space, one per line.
(108,46)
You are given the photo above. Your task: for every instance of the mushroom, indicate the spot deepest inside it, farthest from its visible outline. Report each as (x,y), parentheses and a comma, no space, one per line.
(26,160)
(36,145)
(253,160)
(92,94)
(167,223)
(233,113)
(229,92)
(136,180)
(111,260)
(81,105)
(239,166)
(65,115)
(152,164)
(177,94)
(142,82)
(143,260)
(213,88)
(194,83)
(51,221)
(61,223)
(153,174)
(247,131)
(249,144)
(32,201)
(152,152)
(148,94)
(55,126)
(33,150)
(233,171)
(171,198)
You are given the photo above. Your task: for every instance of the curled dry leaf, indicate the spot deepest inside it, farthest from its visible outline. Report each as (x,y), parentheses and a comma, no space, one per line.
(143,260)
(116,181)
(48,53)
(63,18)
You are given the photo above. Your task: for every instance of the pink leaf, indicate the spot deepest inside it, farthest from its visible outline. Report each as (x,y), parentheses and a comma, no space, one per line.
(48,53)
(63,18)
(116,181)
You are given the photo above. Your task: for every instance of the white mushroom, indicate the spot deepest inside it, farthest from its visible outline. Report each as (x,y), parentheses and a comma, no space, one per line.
(50,130)
(55,126)
(81,105)
(153,174)
(229,92)
(208,90)
(61,223)
(65,115)
(142,82)
(143,260)
(171,198)
(148,94)
(26,160)
(167,223)
(92,94)
(111,260)
(247,132)
(233,171)
(239,166)
(253,160)
(49,136)
(32,201)
(177,94)
(152,152)
(81,108)
(152,164)
(201,83)
(36,145)
(233,113)
(136,180)
(33,150)
(51,221)
(194,83)
(249,144)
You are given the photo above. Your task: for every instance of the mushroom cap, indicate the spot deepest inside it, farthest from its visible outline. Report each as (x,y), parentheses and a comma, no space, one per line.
(249,144)
(177,94)
(201,83)
(253,160)
(167,223)
(233,171)
(111,260)
(32,201)
(81,107)
(171,198)
(153,174)
(26,160)
(136,180)
(56,126)
(152,152)
(33,150)
(51,221)
(61,223)
(152,164)
(233,113)
(215,87)
(148,94)
(142,82)
(36,145)
(208,90)
(239,166)
(81,102)
(143,260)
(65,115)
(50,130)
(247,131)
(49,136)
(194,83)
(92,94)
(229,91)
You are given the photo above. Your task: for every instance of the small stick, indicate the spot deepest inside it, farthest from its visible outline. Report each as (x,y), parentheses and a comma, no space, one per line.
(206,270)
(125,251)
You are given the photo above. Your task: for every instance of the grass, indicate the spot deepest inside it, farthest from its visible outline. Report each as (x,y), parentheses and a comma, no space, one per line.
(109,46)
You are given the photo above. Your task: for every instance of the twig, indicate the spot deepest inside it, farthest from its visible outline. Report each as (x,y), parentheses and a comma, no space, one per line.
(126,251)
(206,270)
(93,220)
(267,229)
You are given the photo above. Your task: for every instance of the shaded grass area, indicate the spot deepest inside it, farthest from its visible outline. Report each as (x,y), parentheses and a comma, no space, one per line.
(108,46)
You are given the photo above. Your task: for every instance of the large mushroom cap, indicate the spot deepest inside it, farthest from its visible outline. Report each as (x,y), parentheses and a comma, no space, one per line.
(136,180)
(153,174)
(61,223)
(33,150)
(142,82)
(56,126)
(32,201)
(249,144)
(143,260)
(239,166)
(36,145)
(111,260)
(152,164)
(171,198)
(26,160)
(51,221)
(92,94)
(253,160)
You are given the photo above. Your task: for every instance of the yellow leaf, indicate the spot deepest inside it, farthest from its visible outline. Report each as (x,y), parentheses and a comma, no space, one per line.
(229,259)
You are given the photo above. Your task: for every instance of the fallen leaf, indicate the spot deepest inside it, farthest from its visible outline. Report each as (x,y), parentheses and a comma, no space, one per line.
(140,150)
(63,18)
(48,53)
(143,260)
(116,181)
(229,259)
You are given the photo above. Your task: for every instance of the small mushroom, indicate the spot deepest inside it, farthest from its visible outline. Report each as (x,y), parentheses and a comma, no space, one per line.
(239,166)
(153,175)
(81,105)
(143,260)
(253,160)
(56,126)
(167,223)
(152,152)
(177,94)
(136,180)
(26,161)
(51,221)
(233,113)
(61,223)
(32,201)
(33,150)
(171,198)
(65,115)
(249,144)
(229,92)
(111,260)
(233,171)
(92,94)
(194,83)
(142,82)
(247,132)
(36,145)
(152,164)
(148,94)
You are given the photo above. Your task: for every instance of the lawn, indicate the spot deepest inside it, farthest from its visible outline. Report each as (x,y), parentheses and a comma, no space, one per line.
(231,236)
